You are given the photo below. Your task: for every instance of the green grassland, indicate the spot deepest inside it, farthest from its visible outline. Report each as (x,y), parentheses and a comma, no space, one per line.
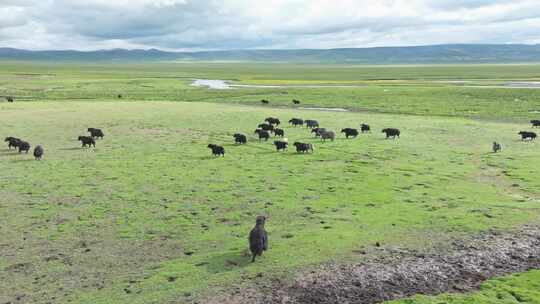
(522,288)
(150,217)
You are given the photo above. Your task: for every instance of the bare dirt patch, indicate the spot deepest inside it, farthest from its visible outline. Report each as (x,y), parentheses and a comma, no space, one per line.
(401,273)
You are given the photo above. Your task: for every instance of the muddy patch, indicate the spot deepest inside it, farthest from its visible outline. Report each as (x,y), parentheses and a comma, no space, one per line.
(401,273)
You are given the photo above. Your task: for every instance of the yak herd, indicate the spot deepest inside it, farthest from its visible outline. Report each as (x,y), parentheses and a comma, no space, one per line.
(270,127)
(258,237)
(24,146)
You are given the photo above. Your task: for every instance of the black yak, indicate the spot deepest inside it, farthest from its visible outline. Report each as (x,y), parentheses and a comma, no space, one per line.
(535,123)
(327,135)
(96,133)
(296,101)
(365,128)
(318,131)
(391,132)
(38,152)
(12,142)
(9,99)
(281,145)
(312,124)
(273,121)
(303,147)
(349,132)
(87,141)
(24,147)
(263,134)
(266,127)
(279,132)
(217,150)
(496,147)
(296,122)
(264,101)
(240,138)
(527,135)
(119,96)
(258,238)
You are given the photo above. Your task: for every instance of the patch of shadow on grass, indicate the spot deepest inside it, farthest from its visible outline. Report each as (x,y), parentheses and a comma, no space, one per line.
(401,273)
(227,261)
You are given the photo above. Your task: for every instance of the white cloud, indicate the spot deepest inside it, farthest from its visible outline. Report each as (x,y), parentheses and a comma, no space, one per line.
(238,24)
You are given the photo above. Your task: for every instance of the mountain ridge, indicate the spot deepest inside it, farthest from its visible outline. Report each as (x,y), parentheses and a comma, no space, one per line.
(429,54)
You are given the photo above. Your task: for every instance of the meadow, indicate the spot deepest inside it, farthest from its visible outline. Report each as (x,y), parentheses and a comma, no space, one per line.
(149,216)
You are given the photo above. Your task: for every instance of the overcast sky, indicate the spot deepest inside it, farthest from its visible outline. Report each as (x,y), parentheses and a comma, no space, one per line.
(249,24)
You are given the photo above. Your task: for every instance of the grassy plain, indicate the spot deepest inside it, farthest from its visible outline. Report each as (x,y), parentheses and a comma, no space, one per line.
(150,217)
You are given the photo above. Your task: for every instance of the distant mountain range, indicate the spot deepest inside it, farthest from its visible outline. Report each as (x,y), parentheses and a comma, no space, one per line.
(459,53)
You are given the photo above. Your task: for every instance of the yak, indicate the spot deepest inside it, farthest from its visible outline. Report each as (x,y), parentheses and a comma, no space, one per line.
(96,133)
(240,138)
(365,128)
(303,147)
(296,122)
(273,121)
(24,146)
(279,132)
(281,145)
(258,238)
(391,132)
(87,141)
(217,150)
(349,132)
(328,135)
(527,135)
(38,152)
(263,134)
(318,131)
(496,147)
(312,124)
(12,142)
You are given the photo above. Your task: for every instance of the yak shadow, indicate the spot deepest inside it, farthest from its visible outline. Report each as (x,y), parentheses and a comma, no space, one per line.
(23,160)
(73,149)
(227,261)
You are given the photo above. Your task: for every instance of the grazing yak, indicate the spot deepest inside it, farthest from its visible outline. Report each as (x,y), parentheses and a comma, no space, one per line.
(496,147)
(296,122)
(349,132)
(391,132)
(217,150)
(120,96)
(527,135)
(327,135)
(535,123)
(318,131)
(279,132)
(12,142)
(9,99)
(264,101)
(263,134)
(281,145)
(240,138)
(38,152)
(296,101)
(312,124)
(266,127)
(365,128)
(96,133)
(24,146)
(258,238)
(303,147)
(87,141)
(273,121)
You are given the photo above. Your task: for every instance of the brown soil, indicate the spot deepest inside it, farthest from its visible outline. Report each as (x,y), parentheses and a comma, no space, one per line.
(397,274)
